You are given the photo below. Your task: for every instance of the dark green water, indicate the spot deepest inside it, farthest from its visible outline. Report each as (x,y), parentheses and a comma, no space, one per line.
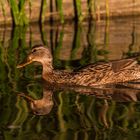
(69,114)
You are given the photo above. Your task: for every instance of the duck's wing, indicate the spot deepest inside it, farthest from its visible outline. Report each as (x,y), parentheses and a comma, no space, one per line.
(120,65)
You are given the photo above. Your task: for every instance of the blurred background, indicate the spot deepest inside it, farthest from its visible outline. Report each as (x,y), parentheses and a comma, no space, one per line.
(78,32)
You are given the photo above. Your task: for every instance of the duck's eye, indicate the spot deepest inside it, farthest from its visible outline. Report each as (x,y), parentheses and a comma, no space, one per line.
(36,112)
(34,50)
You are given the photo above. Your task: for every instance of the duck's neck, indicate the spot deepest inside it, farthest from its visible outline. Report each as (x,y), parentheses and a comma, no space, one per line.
(47,96)
(47,72)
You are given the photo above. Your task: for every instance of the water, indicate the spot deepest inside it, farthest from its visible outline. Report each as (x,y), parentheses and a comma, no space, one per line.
(83,114)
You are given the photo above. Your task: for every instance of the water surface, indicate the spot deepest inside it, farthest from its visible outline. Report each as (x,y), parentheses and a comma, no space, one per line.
(83,114)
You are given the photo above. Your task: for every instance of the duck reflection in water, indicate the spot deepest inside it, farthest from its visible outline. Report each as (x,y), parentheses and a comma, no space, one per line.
(41,106)
(44,105)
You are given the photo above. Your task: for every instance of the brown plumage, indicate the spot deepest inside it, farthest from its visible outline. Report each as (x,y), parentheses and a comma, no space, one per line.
(91,75)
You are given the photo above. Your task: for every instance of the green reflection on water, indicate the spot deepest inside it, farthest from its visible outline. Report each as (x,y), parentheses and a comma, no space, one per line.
(73,116)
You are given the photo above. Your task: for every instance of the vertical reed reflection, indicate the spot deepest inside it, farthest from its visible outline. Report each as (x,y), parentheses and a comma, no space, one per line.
(43,34)
(43,8)
(132,44)
(59,7)
(58,46)
(76,40)
(77,10)
(91,38)
(91,8)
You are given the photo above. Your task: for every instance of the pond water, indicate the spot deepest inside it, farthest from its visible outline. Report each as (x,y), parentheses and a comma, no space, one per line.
(63,114)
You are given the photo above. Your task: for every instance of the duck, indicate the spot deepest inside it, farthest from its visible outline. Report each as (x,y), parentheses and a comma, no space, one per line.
(92,75)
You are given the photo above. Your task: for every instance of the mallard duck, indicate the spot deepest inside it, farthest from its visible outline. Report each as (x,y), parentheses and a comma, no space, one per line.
(92,75)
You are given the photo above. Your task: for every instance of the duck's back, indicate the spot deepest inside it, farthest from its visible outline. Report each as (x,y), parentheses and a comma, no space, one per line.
(107,72)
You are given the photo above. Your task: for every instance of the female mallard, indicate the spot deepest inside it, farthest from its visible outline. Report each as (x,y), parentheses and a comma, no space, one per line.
(91,75)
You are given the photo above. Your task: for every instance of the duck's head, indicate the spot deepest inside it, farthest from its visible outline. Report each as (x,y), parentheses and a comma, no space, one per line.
(39,107)
(40,54)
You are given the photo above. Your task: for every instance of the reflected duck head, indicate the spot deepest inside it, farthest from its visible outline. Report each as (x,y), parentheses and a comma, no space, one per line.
(39,107)
(39,53)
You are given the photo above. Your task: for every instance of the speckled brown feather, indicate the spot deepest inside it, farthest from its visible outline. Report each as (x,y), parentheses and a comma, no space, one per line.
(98,74)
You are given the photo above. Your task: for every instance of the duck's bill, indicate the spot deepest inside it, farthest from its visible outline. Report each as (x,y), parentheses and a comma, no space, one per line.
(24,64)
(26,97)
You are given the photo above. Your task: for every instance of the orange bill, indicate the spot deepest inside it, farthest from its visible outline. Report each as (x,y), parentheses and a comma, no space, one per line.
(24,64)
